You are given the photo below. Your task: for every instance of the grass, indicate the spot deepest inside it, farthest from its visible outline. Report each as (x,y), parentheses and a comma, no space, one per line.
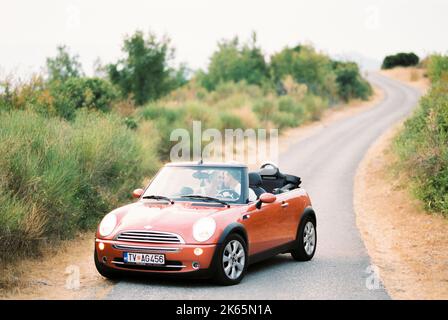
(57,177)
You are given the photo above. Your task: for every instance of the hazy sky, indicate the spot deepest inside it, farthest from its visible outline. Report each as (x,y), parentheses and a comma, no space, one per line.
(31,30)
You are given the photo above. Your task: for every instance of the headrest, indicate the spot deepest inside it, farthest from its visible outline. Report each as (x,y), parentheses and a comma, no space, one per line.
(255,179)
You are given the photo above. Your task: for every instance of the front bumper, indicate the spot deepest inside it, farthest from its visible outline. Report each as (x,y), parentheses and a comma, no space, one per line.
(179,258)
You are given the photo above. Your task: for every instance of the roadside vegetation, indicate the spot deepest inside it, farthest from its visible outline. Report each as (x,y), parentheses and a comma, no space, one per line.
(401,59)
(74,146)
(423,144)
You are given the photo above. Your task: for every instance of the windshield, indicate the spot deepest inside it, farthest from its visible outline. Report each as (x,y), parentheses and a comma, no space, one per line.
(217,182)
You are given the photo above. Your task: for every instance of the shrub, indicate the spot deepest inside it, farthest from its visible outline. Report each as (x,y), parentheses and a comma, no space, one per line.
(164,120)
(314,107)
(400,59)
(235,62)
(423,149)
(306,66)
(349,81)
(156,111)
(230,121)
(265,108)
(284,120)
(58,98)
(76,93)
(58,177)
(295,110)
(31,95)
(438,68)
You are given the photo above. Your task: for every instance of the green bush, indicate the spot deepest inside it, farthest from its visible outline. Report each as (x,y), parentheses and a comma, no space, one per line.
(423,149)
(30,95)
(314,107)
(292,113)
(284,120)
(235,62)
(165,120)
(58,177)
(230,121)
(308,67)
(58,98)
(438,68)
(76,93)
(265,108)
(400,59)
(350,83)
(154,111)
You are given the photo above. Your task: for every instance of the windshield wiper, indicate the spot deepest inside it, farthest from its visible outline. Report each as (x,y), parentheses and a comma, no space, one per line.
(155,197)
(201,197)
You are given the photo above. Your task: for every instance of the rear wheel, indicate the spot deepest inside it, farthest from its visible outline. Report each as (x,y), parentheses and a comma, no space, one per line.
(231,261)
(306,240)
(104,270)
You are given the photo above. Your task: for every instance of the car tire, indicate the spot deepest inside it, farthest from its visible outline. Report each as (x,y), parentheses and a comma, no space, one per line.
(229,272)
(104,270)
(306,241)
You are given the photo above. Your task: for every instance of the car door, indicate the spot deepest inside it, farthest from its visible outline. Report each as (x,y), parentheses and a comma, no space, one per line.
(262,226)
(293,204)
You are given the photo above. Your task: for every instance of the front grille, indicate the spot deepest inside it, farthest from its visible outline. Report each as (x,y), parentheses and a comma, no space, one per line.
(150,237)
(144,248)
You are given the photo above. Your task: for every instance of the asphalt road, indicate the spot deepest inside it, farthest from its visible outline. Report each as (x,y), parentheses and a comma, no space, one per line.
(327,163)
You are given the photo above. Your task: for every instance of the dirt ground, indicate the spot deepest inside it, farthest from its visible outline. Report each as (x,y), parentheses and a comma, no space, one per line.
(55,274)
(408,245)
(51,275)
(412,76)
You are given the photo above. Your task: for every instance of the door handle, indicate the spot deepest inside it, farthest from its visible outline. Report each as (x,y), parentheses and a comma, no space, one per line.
(285,204)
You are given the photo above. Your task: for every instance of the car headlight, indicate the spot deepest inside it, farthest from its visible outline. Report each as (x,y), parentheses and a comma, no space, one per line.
(107,225)
(204,229)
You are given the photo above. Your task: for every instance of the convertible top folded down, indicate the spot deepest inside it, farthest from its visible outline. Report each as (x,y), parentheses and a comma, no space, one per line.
(273,181)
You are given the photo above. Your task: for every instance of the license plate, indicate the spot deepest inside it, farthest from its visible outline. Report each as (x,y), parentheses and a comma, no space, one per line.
(143,258)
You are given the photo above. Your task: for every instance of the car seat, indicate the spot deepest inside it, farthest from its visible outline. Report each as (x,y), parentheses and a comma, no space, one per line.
(256,184)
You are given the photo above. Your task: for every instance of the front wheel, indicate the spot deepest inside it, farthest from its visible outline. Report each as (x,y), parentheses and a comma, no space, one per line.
(231,261)
(306,240)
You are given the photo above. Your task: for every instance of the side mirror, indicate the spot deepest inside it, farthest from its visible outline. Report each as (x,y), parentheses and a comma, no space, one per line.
(265,198)
(137,193)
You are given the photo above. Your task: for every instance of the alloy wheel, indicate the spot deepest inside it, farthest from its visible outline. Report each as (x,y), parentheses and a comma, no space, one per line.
(233,259)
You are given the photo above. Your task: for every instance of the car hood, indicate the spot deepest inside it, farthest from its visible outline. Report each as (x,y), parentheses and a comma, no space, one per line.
(162,217)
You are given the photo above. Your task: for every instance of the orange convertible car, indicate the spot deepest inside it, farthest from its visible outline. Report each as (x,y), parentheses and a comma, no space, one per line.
(207,220)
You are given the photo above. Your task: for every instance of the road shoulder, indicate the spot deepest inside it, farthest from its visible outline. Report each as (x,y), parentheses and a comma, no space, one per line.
(65,271)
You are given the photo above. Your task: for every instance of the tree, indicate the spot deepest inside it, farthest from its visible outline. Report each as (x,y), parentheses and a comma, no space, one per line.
(235,62)
(143,72)
(63,66)
(400,59)
(306,66)
(349,80)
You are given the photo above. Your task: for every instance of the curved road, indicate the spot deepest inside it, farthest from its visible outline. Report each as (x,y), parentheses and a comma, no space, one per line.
(327,163)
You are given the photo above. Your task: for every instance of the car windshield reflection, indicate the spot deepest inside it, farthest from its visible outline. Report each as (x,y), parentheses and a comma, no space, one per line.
(178,182)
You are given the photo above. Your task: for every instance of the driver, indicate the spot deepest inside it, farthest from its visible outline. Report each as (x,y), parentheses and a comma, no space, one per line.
(231,180)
